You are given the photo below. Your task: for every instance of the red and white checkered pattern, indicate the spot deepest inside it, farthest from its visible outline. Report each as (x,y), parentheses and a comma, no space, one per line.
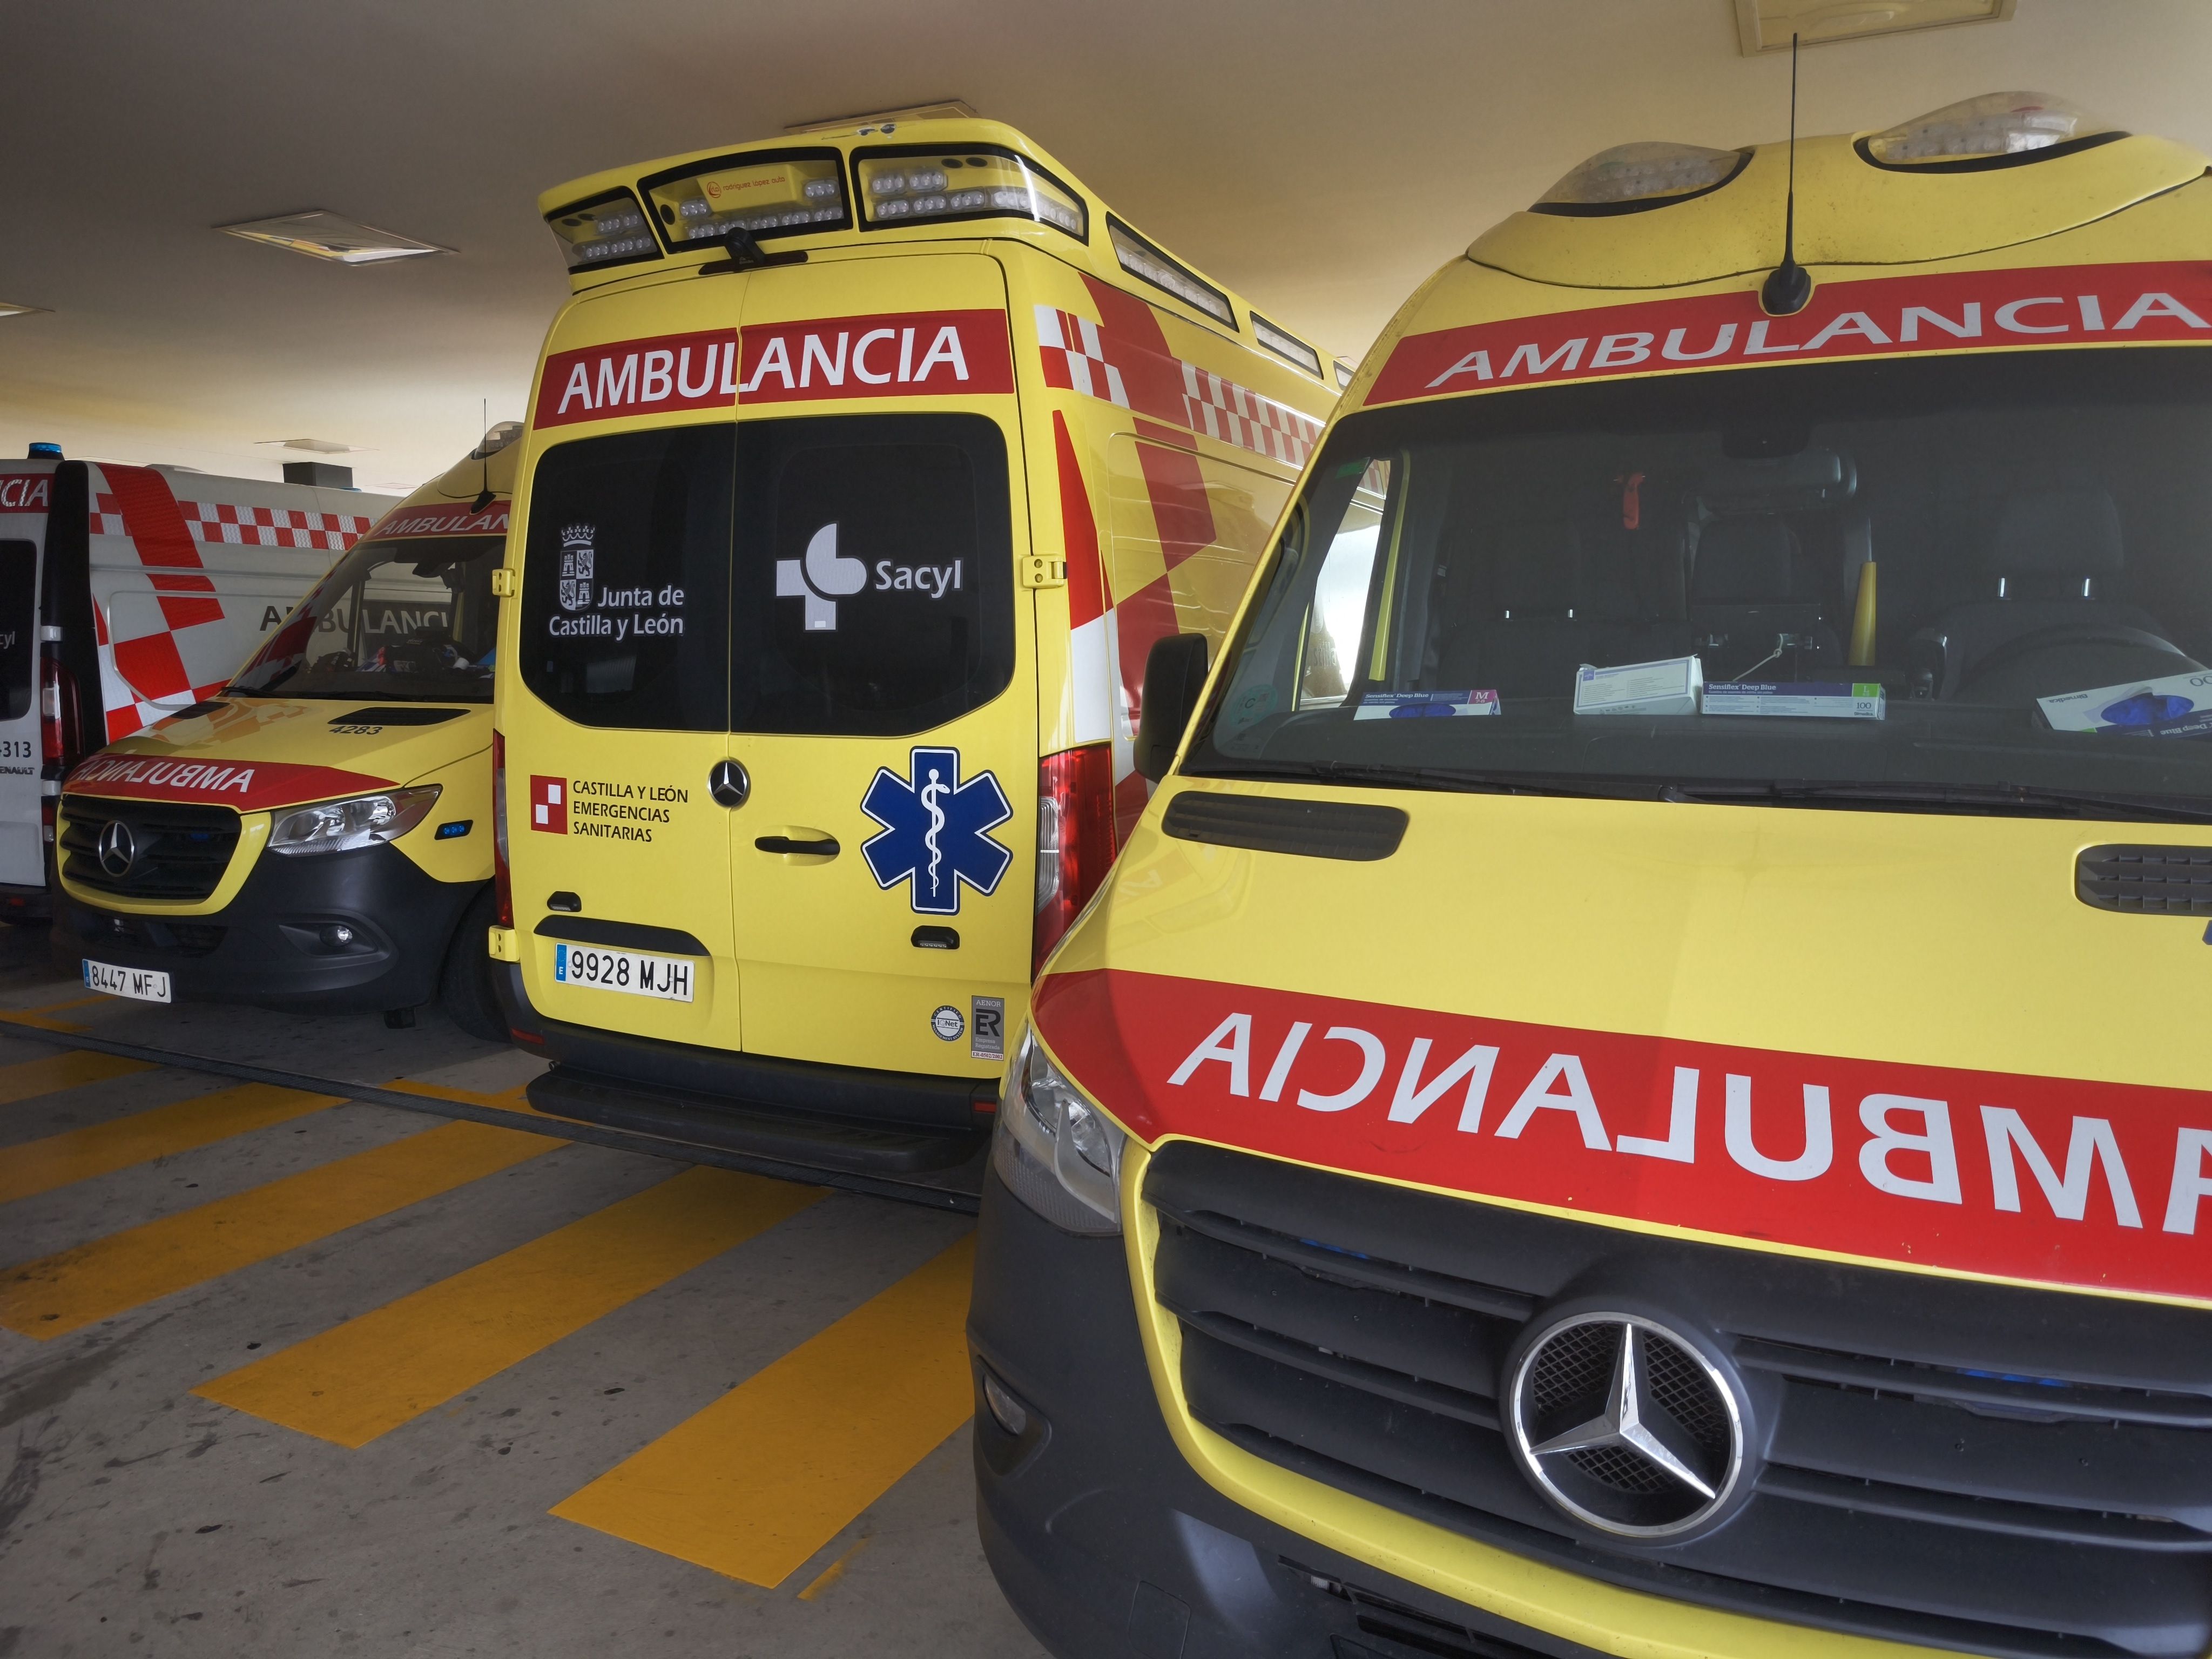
(248,527)
(1080,355)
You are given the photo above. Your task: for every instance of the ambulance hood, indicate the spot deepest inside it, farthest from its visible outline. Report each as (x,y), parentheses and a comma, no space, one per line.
(1849,212)
(1894,1037)
(259,753)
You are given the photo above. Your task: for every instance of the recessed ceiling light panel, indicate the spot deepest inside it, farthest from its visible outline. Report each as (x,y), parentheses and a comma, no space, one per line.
(319,445)
(10,309)
(1764,26)
(321,234)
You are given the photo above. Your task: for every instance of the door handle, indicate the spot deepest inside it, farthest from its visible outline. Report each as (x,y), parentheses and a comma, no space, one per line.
(796,843)
(729,784)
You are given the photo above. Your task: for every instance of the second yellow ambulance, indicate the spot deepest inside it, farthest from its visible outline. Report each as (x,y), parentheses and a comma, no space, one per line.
(862,474)
(1642,1088)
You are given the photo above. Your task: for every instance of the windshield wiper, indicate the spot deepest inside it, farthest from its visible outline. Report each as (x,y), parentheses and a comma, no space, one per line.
(1385,775)
(1981,797)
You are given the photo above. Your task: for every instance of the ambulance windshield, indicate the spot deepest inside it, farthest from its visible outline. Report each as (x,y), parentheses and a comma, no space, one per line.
(404,619)
(1942,583)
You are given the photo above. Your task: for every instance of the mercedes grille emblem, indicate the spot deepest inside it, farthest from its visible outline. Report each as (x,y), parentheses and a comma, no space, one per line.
(118,851)
(1626,1426)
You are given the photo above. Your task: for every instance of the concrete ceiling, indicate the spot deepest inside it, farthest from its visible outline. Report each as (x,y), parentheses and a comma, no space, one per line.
(1322,157)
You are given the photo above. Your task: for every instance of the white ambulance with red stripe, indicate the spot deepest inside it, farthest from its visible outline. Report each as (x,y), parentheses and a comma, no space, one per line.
(126,594)
(862,475)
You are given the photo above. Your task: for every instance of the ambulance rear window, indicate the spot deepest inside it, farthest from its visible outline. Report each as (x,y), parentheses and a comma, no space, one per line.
(625,581)
(19,648)
(873,590)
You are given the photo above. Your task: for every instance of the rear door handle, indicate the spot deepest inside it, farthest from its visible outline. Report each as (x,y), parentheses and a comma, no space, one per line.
(796,843)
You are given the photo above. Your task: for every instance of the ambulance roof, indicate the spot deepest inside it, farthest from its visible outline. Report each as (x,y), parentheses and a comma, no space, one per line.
(923,180)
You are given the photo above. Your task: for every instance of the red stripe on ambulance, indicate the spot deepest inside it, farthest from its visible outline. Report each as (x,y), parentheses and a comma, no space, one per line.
(1884,316)
(249,789)
(2104,1185)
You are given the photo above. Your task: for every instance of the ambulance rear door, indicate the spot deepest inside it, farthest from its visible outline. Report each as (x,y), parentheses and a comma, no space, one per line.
(883,701)
(26,496)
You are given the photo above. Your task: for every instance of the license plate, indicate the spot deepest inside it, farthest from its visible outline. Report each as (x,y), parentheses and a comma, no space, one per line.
(632,971)
(144,984)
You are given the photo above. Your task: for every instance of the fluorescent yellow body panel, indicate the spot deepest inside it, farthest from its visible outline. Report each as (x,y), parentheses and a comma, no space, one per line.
(1683,923)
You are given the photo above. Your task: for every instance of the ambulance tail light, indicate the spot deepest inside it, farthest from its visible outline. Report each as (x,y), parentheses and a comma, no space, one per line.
(502,881)
(58,726)
(1998,129)
(1075,838)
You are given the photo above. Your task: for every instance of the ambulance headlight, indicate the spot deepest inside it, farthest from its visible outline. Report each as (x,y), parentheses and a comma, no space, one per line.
(1054,1149)
(1991,130)
(1631,177)
(340,826)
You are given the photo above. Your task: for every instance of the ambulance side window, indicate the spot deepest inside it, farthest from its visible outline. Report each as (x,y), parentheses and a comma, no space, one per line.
(19,644)
(626,580)
(1330,661)
(873,592)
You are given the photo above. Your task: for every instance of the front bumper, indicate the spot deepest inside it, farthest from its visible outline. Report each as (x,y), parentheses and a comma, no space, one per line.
(267,945)
(1105,1541)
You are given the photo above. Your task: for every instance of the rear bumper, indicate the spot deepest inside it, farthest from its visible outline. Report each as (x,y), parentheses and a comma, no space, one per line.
(833,1117)
(1105,1541)
(267,946)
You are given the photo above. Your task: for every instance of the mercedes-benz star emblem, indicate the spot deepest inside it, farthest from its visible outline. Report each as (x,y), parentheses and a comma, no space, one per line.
(118,851)
(1626,1426)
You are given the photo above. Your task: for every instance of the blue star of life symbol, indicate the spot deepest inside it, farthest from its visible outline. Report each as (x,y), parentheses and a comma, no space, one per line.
(935,831)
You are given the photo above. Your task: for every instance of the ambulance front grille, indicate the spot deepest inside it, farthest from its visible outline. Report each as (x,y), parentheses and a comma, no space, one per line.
(1983,1468)
(178,851)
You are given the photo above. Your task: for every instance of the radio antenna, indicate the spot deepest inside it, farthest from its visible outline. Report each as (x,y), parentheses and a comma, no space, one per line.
(484,497)
(1789,285)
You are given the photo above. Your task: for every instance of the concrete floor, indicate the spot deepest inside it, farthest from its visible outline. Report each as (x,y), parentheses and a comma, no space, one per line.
(136,1515)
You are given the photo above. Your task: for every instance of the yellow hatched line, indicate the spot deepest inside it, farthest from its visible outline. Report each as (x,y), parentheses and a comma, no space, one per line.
(61,1293)
(48,1074)
(39,1166)
(760,1481)
(371,1374)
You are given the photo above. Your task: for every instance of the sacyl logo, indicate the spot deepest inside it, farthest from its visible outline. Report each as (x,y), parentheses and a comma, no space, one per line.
(821,578)
(577,560)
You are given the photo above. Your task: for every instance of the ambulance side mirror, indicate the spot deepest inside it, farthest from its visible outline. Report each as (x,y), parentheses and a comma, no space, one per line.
(1174,674)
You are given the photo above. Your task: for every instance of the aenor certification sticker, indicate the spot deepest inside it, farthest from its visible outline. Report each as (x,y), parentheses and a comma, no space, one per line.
(636,972)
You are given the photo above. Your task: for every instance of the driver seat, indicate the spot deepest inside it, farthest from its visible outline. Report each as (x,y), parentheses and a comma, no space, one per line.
(2045,557)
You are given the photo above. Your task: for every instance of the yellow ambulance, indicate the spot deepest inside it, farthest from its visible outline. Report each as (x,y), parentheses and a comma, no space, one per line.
(317,835)
(862,473)
(1642,1087)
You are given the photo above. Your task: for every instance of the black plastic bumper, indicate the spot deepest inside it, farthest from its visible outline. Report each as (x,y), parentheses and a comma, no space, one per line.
(1105,1540)
(269,947)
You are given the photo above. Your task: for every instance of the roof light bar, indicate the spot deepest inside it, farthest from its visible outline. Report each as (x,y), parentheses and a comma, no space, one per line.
(1287,345)
(606,230)
(321,234)
(902,185)
(764,195)
(1998,129)
(1630,178)
(1149,263)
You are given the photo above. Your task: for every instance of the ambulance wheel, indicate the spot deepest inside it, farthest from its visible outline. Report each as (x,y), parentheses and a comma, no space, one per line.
(465,989)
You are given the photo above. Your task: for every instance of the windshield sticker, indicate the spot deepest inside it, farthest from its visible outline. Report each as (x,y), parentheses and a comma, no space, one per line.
(2176,706)
(654,376)
(936,832)
(1421,705)
(1886,316)
(900,355)
(611,613)
(2054,1179)
(248,788)
(1801,699)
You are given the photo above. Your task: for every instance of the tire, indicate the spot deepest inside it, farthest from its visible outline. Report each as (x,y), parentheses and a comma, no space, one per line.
(465,987)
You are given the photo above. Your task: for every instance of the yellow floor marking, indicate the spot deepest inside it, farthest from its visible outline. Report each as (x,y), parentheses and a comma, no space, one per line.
(830,1574)
(32,1017)
(39,1166)
(755,1485)
(371,1374)
(61,1293)
(74,1002)
(50,1074)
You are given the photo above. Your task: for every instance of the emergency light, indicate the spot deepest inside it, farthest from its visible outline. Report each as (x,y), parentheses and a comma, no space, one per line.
(764,195)
(1629,178)
(1995,130)
(898,186)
